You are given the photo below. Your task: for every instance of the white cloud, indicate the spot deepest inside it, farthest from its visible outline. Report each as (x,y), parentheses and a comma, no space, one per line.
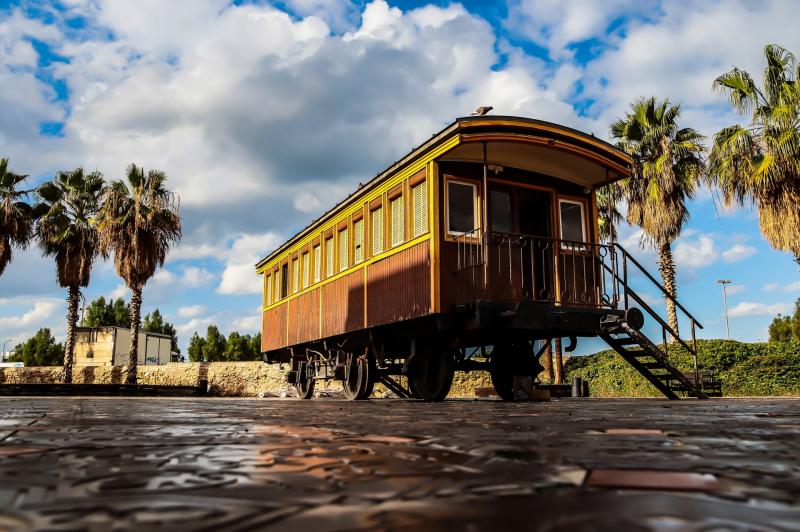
(194,276)
(775,287)
(792,287)
(192,311)
(734,289)
(748,308)
(239,276)
(695,252)
(247,324)
(307,202)
(197,325)
(555,23)
(738,252)
(163,277)
(120,291)
(21,317)
(41,310)
(665,52)
(197,251)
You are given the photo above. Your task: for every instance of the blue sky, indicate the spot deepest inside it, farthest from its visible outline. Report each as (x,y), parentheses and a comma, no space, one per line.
(265,114)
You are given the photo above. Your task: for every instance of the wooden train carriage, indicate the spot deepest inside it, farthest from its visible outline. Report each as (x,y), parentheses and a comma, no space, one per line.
(482,239)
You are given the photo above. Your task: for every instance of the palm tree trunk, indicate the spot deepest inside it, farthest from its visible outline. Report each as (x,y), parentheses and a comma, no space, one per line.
(666,267)
(547,362)
(559,363)
(136,315)
(73,295)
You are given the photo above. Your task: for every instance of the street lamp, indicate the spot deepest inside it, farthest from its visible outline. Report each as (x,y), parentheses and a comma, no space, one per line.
(725,282)
(3,354)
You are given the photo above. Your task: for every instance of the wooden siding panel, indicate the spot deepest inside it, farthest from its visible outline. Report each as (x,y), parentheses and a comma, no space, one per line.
(399,286)
(343,309)
(304,318)
(274,328)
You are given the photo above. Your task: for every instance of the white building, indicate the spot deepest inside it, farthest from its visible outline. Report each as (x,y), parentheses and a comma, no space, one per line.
(108,346)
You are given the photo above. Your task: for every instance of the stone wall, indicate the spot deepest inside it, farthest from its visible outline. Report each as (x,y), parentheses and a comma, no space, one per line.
(224,378)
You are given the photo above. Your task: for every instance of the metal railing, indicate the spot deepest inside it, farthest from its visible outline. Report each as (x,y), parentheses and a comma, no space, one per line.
(517,266)
(512,266)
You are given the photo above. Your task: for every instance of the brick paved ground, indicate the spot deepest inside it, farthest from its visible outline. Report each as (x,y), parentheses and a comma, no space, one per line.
(163,463)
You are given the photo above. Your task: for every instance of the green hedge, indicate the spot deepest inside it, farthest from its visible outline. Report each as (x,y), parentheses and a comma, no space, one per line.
(759,369)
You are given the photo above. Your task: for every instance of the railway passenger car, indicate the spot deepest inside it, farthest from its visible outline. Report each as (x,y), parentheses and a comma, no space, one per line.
(459,256)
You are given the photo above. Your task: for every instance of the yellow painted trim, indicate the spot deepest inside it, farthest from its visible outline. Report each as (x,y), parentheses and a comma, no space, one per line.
(433,228)
(550,143)
(365,196)
(365,296)
(352,269)
(552,129)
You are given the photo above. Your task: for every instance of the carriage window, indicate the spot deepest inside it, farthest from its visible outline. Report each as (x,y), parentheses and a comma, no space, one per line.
(501,211)
(461,201)
(306,270)
(329,257)
(295,275)
(343,250)
(377,231)
(396,206)
(317,263)
(573,226)
(277,292)
(358,241)
(284,280)
(420,197)
(267,289)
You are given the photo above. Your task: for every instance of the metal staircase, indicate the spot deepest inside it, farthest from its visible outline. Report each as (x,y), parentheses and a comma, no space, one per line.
(650,360)
(654,365)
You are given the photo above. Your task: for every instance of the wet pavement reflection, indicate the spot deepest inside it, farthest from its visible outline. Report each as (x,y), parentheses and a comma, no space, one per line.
(322,465)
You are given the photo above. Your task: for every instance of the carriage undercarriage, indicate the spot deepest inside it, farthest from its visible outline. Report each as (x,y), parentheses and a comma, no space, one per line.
(498,337)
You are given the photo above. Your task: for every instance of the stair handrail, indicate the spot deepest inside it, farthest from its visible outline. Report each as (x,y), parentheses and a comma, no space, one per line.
(664,291)
(665,327)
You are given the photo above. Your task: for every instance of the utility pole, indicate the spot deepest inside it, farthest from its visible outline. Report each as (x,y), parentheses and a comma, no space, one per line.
(3,354)
(725,282)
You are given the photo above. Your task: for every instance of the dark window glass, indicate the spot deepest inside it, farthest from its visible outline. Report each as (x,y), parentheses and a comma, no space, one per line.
(284,280)
(572,221)
(460,207)
(501,211)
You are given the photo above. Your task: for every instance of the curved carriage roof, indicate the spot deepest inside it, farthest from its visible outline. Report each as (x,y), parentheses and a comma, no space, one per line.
(604,153)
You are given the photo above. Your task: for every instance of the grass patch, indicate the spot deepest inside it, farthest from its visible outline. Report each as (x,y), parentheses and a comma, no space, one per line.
(745,369)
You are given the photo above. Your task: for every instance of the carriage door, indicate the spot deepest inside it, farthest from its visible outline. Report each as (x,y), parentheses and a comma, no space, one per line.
(534,221)
(576,266)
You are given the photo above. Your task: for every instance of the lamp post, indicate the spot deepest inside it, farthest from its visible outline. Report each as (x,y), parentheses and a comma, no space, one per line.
(725,282)
(3,354)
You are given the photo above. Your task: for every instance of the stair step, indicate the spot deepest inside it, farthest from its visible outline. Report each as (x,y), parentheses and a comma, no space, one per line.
(626,341)
(653,365)
(666,376)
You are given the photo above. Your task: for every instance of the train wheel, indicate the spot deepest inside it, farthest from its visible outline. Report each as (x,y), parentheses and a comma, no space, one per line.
(305,381)
(501,370)
(431,374)
(372,376)
(359,377)
(413,391)
(508,361)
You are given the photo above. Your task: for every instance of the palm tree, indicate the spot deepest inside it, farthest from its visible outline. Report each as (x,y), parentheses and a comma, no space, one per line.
(608,215)
(67,231)
(16,215)
(760,163)
(668,163)
(138,223)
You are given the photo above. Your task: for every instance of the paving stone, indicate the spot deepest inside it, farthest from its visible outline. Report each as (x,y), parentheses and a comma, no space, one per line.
(71,463)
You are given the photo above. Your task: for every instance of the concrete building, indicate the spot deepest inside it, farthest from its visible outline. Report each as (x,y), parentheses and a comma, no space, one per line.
(108,346)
